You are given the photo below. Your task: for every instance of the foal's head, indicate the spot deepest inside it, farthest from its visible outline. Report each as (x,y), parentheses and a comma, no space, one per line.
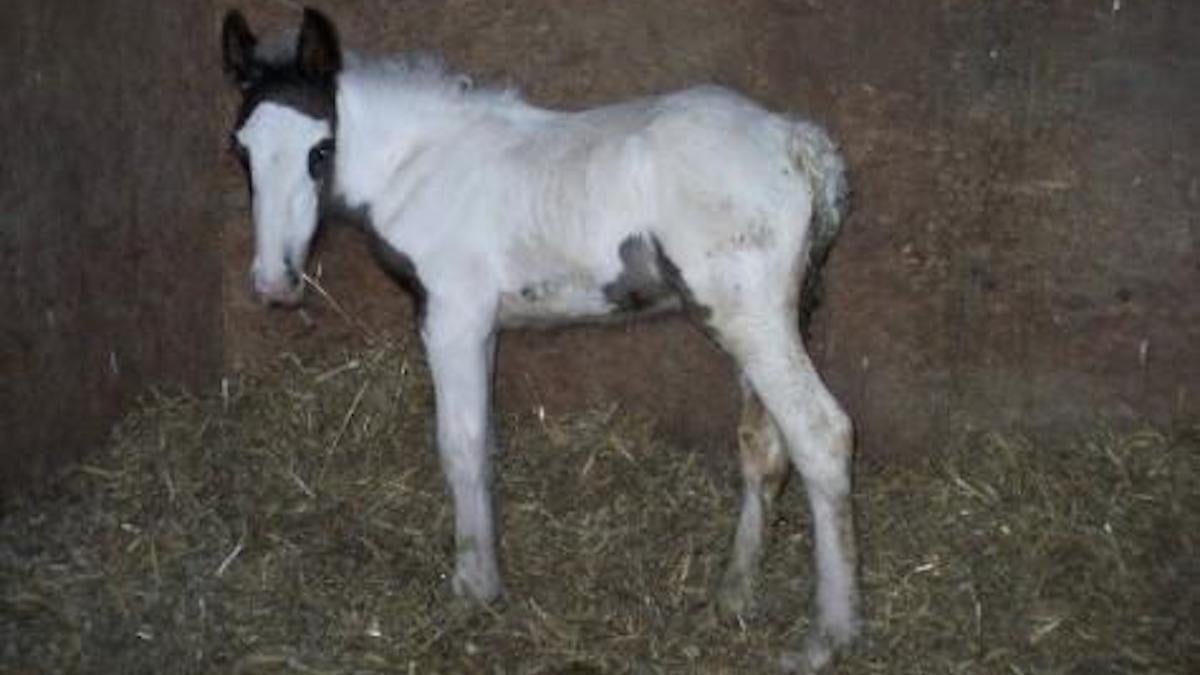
(285,137)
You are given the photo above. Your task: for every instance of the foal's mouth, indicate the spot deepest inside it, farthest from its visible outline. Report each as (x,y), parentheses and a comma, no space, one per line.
(285,292)
(284,300)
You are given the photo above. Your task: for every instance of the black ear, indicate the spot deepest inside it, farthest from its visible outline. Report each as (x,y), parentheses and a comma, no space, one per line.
(318,55)
(237,45)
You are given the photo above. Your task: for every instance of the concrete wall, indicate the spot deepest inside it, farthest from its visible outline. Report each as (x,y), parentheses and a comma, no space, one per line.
(110,270)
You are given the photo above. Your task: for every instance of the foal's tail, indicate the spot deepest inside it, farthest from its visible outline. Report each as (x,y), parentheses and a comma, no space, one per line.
(817,155)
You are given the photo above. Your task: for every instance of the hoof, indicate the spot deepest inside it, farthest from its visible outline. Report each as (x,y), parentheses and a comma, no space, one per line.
(817,653)
(735,596)
(479,587)
(819,649)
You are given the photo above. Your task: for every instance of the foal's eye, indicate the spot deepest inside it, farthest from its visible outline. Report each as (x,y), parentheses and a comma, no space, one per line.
(319,158)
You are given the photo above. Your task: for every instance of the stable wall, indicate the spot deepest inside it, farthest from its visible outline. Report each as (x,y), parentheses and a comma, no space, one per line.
(110,275)
(1023,251)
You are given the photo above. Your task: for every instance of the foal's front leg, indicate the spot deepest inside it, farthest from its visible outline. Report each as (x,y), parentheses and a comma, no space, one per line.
(459,343)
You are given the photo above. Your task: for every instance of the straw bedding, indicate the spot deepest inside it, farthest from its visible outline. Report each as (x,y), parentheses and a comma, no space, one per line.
(296,522)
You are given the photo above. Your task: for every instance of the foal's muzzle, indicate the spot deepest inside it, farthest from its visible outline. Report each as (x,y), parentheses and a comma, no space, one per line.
(284,291)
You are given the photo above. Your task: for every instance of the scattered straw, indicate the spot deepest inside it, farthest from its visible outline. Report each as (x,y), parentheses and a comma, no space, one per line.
(298,523)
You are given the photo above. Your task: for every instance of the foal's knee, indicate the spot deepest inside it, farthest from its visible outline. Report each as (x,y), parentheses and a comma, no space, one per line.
(825,461)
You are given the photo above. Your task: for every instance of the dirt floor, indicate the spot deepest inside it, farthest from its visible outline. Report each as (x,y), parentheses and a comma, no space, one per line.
(296,522)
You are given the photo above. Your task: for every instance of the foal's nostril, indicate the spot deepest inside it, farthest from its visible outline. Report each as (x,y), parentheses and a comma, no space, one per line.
(293,277)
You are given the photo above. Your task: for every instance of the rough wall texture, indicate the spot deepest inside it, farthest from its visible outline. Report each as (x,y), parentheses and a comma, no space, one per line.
(110,272)
(1024,250)
(1024,246)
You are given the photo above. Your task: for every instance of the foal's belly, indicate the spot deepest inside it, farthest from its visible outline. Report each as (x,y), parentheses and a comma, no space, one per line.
(560,302)
(633,277)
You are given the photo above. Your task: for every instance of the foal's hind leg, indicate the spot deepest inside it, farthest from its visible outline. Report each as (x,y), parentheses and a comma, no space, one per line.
(764,467)
(818,438)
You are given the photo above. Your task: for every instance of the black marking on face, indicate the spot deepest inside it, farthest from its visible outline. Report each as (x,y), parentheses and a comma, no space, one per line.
(284,86)
(305,81)
(320,160)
